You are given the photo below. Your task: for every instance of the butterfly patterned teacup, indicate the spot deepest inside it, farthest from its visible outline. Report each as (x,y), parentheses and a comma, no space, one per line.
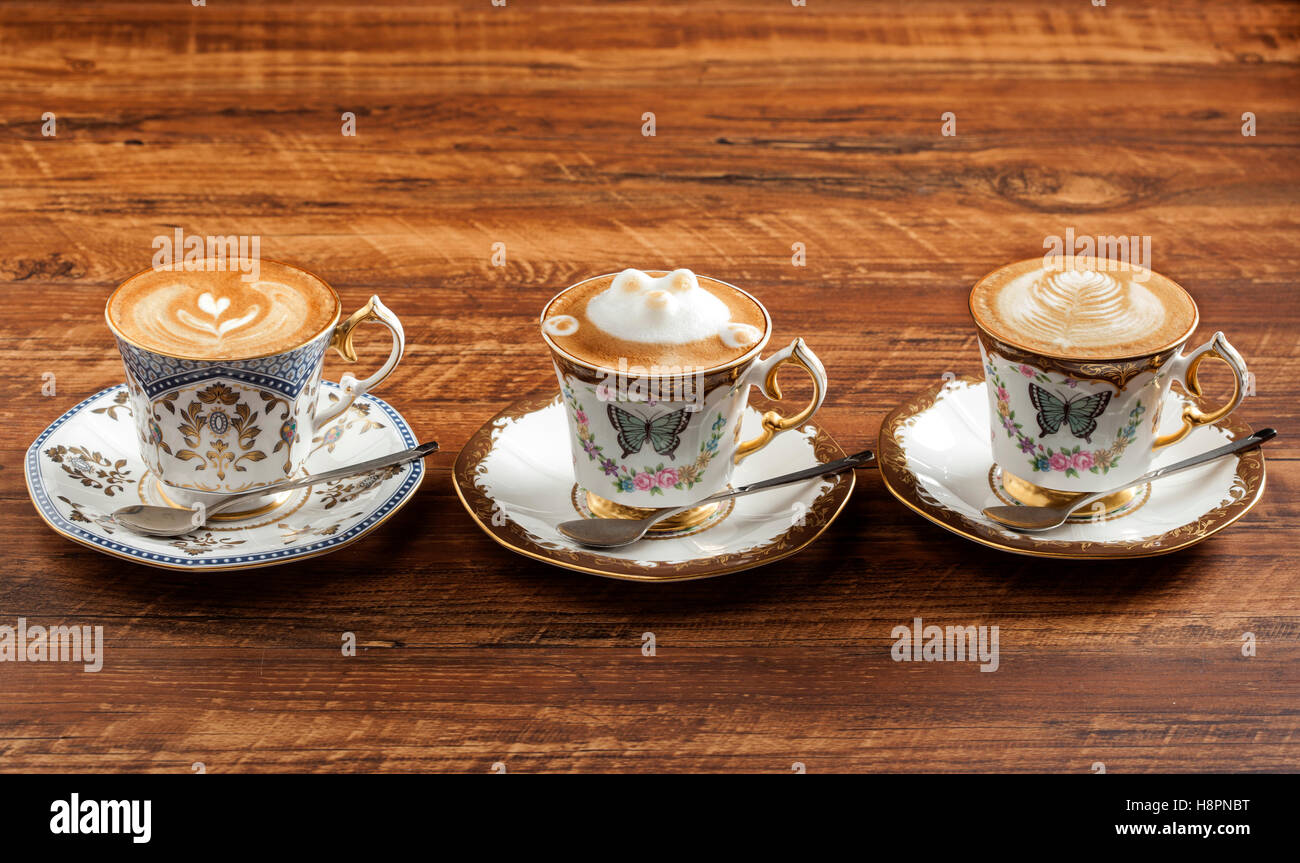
(1079,357)
(642,441)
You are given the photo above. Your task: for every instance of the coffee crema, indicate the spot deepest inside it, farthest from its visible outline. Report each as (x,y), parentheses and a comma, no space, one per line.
(1085,309)
(215,314)
(661,319)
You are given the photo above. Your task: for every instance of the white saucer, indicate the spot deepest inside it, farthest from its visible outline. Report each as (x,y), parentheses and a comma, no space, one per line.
(934,457)
(87,464)
(515,477)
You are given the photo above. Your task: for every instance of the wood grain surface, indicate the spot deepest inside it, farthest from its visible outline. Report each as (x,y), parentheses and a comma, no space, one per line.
(776,125)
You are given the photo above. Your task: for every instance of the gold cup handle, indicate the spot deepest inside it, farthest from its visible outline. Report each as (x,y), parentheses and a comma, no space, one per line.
(375,311)
(763,375)
(1185,372)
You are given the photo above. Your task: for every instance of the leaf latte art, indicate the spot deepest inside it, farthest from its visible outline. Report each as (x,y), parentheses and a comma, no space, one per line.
(1084,313)
(216,315)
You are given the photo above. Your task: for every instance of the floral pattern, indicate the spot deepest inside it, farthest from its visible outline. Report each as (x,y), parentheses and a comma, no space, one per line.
(221,410)
(348,489)
(653,479)
(76,514)
(290,535)
(1070,461)
(120,402)
(91,469)
(356,417)
(194,545)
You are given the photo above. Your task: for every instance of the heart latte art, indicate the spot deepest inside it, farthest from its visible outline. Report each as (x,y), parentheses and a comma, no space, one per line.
(1083,312)
(217,315)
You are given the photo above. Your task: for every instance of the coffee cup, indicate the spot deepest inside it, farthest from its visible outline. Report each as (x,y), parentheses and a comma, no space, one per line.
(1079,355)
(224,374)
(655,370)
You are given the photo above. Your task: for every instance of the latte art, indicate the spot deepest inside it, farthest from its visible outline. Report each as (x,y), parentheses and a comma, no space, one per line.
(561,325)
(217,315)
(735,335)
(668,319)
(1079,309)
(1082,312)
(672,309)
(214,310)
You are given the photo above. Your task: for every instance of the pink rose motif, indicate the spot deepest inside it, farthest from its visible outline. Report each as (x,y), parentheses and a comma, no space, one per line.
(1026,371)
(581,417)
(1003,395)
(1082,461)
(643,481)
(668,477)
(1059,461)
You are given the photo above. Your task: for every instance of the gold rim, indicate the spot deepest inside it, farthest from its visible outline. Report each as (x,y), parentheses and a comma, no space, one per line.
(746,357)
(895,475)
(338,313)
(467,462)
(970,306)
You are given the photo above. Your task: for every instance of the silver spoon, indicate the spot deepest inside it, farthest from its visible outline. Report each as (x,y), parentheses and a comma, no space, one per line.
(171,521)
(1047,517)
(613,532)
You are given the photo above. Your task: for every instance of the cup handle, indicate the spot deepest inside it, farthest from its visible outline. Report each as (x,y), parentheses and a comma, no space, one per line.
(1185,367)
(763,375)
(376,311)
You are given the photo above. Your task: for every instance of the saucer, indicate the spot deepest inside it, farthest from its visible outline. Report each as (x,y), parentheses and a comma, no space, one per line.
(87,464)
(934,457)
(515,477)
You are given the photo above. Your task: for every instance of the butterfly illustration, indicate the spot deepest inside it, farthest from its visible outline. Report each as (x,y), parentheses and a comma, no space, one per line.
(1080,412)
(663,431)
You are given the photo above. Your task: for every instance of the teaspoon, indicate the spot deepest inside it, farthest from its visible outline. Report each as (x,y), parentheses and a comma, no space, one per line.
(613,532)
(173,521)
(1047,517)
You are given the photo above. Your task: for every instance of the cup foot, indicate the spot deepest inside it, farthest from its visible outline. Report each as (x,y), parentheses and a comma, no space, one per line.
(602,508)
(1030,494)
(261,505)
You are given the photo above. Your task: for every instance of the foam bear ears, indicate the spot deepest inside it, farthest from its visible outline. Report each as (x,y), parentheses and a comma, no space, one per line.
(659,292)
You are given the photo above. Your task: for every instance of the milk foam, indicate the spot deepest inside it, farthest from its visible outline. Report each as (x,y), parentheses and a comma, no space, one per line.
(219,316)
(1079,309)
(669,310)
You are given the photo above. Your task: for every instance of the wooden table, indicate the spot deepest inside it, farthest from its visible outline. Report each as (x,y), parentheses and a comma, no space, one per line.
(775,125)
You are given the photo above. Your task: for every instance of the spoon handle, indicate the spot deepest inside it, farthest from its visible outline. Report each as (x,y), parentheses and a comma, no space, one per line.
(1227,449)
(1210,455)
(836,466)
(807,473)
(338,473)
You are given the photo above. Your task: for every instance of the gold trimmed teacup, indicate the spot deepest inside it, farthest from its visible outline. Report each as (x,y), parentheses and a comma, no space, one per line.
(224,374)
(642,439)
(1079,356)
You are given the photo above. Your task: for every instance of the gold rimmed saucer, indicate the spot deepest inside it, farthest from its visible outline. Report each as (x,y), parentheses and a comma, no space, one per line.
(515,478)
(934,457)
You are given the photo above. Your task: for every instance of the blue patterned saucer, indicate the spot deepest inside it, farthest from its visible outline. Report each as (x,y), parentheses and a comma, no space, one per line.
(87,464)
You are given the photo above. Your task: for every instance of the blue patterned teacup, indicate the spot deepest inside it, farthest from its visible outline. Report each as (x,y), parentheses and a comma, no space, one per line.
(215,414)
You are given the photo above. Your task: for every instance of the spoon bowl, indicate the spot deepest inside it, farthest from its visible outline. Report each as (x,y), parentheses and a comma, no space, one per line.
(156,520)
